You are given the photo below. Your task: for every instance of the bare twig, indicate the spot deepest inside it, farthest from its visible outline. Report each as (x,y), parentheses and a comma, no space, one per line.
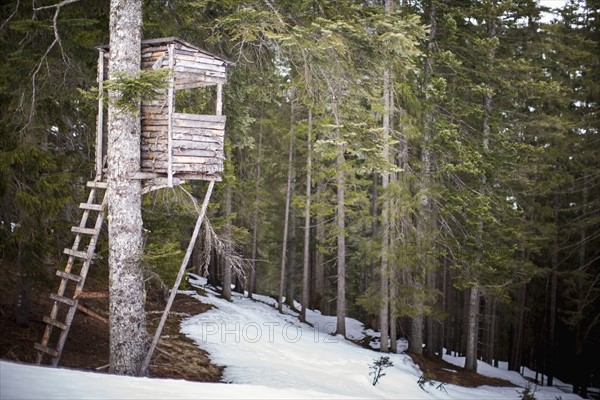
(224,247)
(43,60)
(57,5)
(10,16)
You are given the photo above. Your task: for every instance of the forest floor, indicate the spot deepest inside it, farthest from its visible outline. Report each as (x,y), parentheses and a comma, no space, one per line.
(87,345)
(177,356)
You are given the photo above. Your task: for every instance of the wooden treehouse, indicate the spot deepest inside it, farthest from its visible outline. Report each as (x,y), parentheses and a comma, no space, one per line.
(177,144)
(182,138)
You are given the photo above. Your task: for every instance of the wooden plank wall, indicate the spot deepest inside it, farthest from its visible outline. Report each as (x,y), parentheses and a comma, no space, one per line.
(197,145)
(190,65)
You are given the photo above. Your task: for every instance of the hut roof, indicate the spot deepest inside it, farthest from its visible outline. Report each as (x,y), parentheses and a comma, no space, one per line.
(172,39)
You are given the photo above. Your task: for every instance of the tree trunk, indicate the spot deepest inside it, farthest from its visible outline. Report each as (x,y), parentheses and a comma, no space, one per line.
(473,322)
(443,307)
(491,345)
(473,330)
(582,379)
(226,289)
(415,344)
(425,225)
(213,270)
(488,331)
(288,196)
(320,298)
(516,355)
(384,312)
(306,260)
(393,319)
(290,280)
(552,317)
(251,285)
(127,317)
(341,234)
(430,343)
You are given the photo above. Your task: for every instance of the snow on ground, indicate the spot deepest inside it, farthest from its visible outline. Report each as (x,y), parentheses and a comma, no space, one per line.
(266,355)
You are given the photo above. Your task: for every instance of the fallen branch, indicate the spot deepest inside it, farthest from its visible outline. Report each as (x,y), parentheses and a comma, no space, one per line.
(92,314)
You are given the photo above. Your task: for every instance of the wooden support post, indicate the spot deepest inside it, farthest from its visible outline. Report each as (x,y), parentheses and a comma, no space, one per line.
(170,100)
(219,106)
(100,117)
(184,263)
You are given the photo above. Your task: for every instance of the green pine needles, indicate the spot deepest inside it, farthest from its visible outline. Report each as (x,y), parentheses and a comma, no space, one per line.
(133,89)
(128,91)
(378,366)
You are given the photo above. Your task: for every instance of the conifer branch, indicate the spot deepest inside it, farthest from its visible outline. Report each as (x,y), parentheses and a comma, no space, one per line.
(270,5)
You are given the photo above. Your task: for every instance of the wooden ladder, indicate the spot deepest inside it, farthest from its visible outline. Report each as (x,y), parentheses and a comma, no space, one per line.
(66,299)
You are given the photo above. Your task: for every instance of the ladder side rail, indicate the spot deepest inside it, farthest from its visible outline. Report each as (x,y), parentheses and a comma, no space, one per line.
(64,280)
(92,246)
(83,274)
(63,335)
(78,236)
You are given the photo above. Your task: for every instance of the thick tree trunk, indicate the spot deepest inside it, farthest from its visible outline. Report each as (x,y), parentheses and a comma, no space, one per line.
(306,260)
(126,282)
(415,344)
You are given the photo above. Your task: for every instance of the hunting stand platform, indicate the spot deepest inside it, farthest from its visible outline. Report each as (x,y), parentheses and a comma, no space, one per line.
(175,146)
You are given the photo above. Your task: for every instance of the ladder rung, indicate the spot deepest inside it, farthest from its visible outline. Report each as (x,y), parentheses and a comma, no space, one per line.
(62,299)
(97,185)
(67,275)
(55,323)
(46,350)
(85,231)
(92,207)
(76,253)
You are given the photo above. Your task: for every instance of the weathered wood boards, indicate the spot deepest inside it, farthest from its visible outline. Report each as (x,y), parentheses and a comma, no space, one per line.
(196,147)
(179,145)
(193,67)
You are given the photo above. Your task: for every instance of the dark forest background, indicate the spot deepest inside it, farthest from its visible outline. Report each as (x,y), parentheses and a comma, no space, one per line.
(464,136)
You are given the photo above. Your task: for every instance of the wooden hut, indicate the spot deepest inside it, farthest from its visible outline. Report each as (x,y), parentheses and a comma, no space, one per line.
(175,144)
